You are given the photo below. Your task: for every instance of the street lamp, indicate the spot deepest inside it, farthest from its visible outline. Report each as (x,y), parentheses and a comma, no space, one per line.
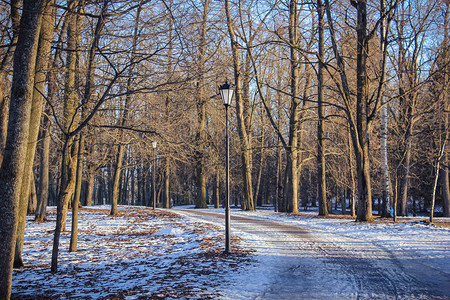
(154,144)
(226,91)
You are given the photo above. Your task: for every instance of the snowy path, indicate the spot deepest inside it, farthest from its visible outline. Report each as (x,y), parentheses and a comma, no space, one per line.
(299,262)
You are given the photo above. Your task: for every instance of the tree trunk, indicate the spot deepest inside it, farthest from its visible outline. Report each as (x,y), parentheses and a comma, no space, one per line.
(41,210)
(361,139)
(321,168)
(445,94)
(76,198)
(385,209)
(70,115)
(244,138)
(257,197)
(90,172)
(3,115)
(116,180)
(12,168)
(32,199)
(166,203)
(70,146)
(6,59)
(292,191)
(42,64)
(133,186)
(217,191)
(124,117)
(80,150)
(90,188)
(66,193)
(201,201)
(404,180)
(439,156)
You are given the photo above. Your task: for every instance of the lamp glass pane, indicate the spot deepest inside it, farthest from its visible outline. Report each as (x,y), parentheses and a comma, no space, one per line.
(227,95)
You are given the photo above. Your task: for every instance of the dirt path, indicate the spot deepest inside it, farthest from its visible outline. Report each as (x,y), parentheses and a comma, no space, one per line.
(297,263)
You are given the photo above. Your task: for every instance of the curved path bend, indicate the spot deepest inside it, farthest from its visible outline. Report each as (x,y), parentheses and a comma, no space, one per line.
(300,263)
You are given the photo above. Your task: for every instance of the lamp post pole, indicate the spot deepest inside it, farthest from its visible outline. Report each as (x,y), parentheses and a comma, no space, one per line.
(154,143)
(227,170)
(226,91)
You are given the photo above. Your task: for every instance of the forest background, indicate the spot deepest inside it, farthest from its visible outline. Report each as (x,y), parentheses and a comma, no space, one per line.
(338,104)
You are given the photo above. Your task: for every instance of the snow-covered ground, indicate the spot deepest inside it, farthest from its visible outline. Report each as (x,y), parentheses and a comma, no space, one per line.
(306,257)
(140,253)
(157,254)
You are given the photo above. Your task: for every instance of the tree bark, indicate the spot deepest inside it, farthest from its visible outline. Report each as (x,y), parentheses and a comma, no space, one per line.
(41,69)
(70,145)
(257,196)
(352,177)
(217,191)
(166,203)
(41,209)
(15,20)
(124,117)
(12,168)
(80,145)
(361,142)
(65,195)
(445,94)
(244,138)
(201,201)
(3,114)
(385,210)
(292,190)
(116,180)
(76,198)
(321,168)
(32,199)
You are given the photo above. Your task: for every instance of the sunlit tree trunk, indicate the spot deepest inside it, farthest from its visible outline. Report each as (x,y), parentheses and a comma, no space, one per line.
(76,197)
(80,142)
(352,176)
(166,203)
(322,189)
(292,189)
(90,179)
(244,135)
(201,99)
(124,117)
(42,65)
(261,163)
(4,65)
(12,167)
(217,191)
(70,145)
